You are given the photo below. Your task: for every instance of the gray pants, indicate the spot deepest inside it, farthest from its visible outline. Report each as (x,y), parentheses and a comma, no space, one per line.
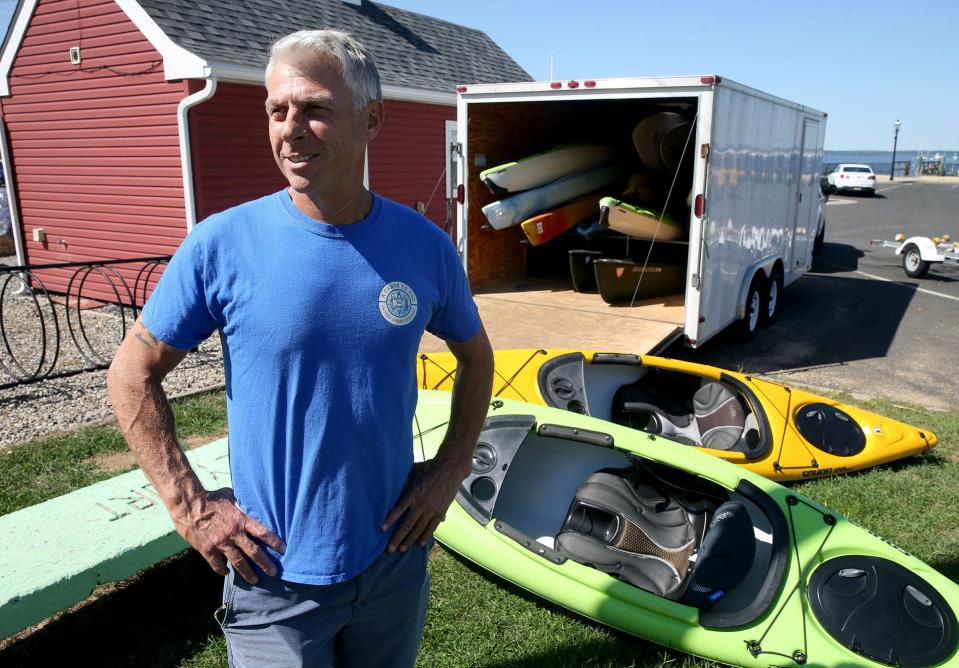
(374,620)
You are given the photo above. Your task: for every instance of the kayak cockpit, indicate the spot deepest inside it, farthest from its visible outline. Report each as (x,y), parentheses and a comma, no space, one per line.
(567,494)
(686,408)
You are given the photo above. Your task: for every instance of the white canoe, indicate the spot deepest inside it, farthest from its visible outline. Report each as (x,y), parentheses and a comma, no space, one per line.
(542,168)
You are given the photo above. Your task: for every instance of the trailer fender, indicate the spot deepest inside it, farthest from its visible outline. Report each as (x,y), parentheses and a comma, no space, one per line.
(927,250)
(765,265)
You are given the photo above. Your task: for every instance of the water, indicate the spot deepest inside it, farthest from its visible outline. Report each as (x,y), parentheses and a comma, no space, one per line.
(880,161)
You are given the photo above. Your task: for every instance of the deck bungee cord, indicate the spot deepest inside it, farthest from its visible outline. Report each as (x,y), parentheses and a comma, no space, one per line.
(787,424)
(799,656)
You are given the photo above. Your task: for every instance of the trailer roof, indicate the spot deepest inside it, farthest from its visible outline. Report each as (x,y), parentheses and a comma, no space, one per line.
(690,84)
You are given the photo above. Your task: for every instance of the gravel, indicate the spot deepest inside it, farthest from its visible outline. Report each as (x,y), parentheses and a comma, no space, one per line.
(29,411)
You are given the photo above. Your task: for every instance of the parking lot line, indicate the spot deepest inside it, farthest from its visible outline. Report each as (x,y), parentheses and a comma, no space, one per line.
(922,290)
(899,283)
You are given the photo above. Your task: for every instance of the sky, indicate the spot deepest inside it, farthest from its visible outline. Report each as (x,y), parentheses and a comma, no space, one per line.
(865,63)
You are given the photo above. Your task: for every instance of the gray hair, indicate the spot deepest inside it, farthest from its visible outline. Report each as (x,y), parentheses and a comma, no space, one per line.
(355,62)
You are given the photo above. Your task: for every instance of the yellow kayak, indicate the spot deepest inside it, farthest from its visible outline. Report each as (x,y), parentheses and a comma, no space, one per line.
(779,432)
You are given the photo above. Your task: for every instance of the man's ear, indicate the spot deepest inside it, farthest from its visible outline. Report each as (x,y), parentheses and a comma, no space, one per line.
(375,114)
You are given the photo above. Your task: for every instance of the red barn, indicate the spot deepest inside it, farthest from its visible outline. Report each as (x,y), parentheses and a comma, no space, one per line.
(127,121)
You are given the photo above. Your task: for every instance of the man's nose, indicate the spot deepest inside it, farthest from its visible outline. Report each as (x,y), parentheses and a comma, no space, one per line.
(293,125)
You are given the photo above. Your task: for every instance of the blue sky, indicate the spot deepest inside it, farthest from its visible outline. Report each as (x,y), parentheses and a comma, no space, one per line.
(864,62)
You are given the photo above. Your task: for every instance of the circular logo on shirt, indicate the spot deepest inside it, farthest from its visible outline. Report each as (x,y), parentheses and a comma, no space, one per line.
(398,303)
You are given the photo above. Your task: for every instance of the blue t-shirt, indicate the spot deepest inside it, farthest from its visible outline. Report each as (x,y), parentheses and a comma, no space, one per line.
(320,326)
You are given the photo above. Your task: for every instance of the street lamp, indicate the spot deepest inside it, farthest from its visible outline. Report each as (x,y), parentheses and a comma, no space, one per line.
(895,140)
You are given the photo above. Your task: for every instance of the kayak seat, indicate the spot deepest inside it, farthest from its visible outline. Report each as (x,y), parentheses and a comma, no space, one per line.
(716,420)
(629,530)
(725,556)
(664,394)
(719,416)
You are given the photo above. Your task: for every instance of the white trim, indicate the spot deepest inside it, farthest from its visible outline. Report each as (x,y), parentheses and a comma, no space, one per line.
(178,63)
(366,167)
(14,36)
(244,74)
(8,176)
(418,95)
(186,154)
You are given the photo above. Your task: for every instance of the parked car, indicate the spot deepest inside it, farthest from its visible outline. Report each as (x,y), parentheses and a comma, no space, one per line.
(821,224)
(849,177)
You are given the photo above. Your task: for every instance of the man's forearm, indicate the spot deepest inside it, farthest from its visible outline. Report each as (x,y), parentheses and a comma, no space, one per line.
(469,405)
(146,421)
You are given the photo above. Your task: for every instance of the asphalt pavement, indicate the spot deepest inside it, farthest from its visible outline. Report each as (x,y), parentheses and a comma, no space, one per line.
(856,323)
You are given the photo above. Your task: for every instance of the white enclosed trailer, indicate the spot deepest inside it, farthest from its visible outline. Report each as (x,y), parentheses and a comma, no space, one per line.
(752,173)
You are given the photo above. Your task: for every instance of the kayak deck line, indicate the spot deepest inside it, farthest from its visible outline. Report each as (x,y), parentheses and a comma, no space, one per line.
(787,424)
(799,656)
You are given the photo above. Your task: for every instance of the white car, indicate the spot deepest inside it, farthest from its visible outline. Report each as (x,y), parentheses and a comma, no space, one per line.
(847,177)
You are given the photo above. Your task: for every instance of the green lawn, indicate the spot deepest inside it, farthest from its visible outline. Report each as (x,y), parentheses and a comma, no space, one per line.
(478,620)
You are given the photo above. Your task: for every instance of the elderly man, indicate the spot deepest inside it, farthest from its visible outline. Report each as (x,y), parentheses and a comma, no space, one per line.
(320,293)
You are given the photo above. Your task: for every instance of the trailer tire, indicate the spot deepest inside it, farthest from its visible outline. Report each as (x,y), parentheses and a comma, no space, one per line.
(820,240)
(749,325)
(771,299)
(912,262)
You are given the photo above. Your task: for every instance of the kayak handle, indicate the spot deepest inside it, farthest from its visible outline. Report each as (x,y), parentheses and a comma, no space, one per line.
(576,434)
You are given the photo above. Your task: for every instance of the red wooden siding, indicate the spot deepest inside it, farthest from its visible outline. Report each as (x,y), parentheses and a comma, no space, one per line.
(94,147)
(406,159)
(233,162)
(232,159)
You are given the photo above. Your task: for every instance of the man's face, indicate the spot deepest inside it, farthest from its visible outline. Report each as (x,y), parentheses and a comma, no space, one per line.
(318,138)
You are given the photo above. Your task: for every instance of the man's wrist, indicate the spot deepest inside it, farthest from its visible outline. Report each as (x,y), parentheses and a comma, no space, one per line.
(455,459)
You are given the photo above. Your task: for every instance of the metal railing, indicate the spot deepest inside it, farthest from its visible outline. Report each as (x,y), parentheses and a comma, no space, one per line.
(31,322)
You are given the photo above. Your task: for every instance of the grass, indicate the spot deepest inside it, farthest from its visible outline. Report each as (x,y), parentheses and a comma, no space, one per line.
(476,619)
(35,472)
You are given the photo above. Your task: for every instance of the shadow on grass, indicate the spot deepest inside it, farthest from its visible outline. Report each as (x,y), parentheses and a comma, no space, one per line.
(154,620)
(618,649)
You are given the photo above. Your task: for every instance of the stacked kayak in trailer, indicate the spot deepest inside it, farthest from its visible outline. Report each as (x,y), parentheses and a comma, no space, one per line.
(776,431)
(549,193)
(684,549)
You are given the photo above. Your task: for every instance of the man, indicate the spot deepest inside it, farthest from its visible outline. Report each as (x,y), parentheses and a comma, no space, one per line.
(320,293)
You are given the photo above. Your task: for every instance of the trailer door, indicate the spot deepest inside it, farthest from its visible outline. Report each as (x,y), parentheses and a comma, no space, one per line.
(804,229)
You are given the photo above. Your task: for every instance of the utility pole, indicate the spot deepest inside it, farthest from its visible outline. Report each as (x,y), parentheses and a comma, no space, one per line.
(895,140)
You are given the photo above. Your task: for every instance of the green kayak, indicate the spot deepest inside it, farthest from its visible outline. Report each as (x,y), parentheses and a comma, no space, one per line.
(683,549)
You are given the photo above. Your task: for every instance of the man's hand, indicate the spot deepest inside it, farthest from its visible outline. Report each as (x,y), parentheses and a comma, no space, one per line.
(431,485)
(430,489)
(216,527)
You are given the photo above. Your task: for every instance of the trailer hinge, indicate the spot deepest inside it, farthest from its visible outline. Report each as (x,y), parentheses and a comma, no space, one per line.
(704,151)
(695,281)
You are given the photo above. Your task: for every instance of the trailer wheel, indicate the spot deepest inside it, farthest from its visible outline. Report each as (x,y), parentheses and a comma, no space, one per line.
(769,310)
(749,325)
(912,262)
(820,240)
